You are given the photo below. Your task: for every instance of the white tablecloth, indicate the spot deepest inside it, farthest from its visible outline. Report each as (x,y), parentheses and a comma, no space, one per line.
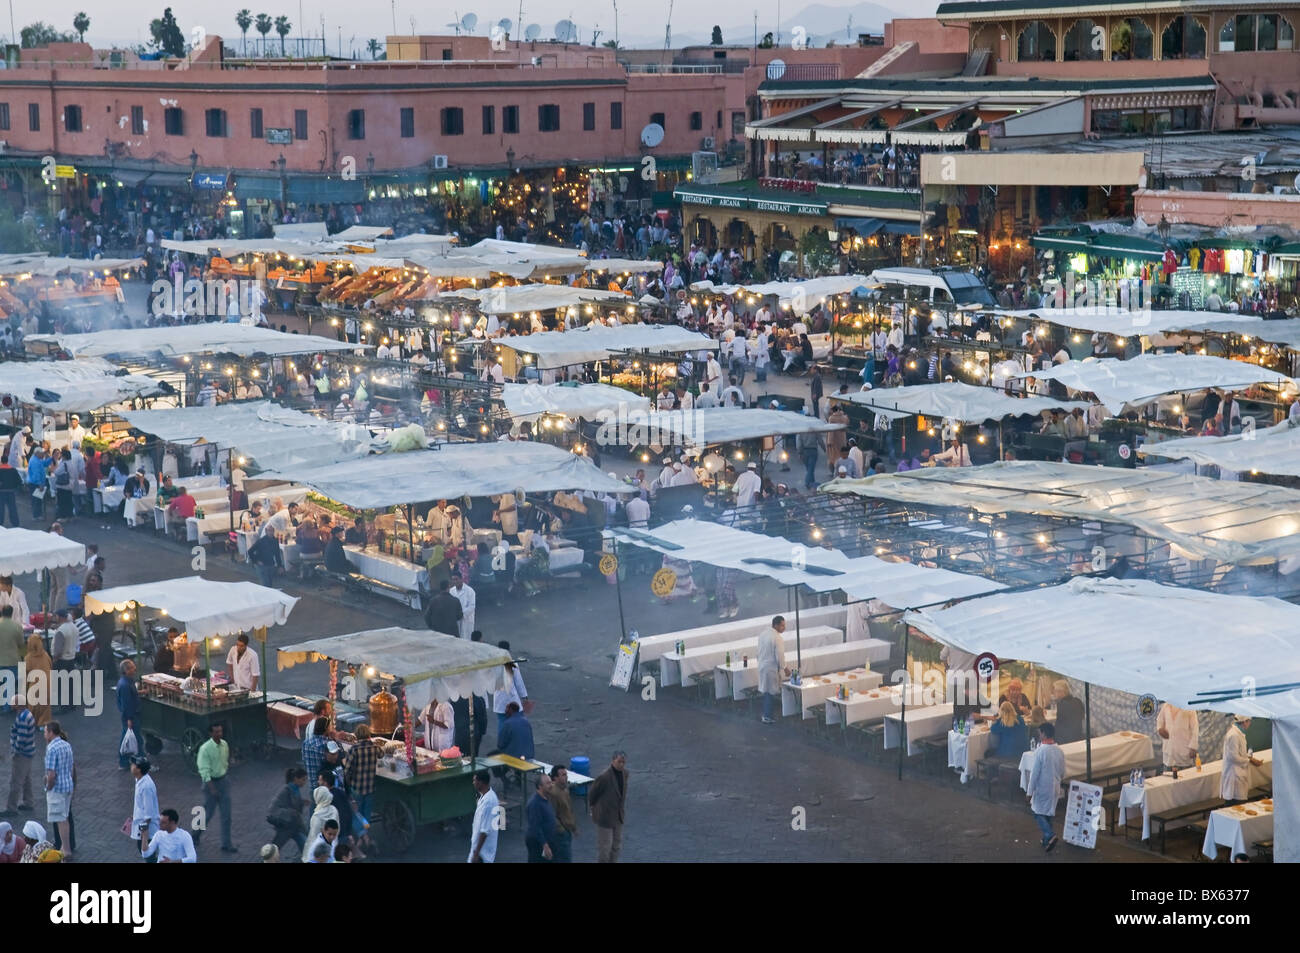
(389,569)
(798,699)
(965,751)
(871,705)
(1233,828)
(677,669)
(652,647)
(922,723)
(1108,752)
(1163,793)
(730,681)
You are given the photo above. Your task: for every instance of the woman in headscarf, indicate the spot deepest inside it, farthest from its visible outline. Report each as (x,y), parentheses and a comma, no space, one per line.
(39,664)
(325,811)
(36,846)
(11,844)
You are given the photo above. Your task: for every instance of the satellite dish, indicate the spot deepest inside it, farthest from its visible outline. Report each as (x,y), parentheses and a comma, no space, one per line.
(1297,183)
(652,135)
(468,22)
(776,69)
(565,31)
(532,32)
(504,24)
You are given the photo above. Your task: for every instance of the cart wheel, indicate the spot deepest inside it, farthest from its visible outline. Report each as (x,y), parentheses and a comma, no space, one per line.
(398,826)
(152,744)
(265,749)
(190,741)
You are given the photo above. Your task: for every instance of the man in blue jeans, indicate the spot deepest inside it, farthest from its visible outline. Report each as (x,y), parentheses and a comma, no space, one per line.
(809,445)
(11,481)
(128,706)
(1045,779)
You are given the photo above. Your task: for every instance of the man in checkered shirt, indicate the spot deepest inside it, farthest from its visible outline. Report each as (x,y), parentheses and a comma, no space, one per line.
(60,778)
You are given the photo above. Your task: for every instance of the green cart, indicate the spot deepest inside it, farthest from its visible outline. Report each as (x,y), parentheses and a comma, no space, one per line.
(246,727)
(403,804)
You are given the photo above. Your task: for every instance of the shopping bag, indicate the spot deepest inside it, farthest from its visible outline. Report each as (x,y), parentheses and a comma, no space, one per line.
(129,746)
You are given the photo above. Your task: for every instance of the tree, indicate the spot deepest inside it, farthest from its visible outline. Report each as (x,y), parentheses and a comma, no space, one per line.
(243,20)
(263,26)
(41,33)
(81,23)
(766,43)
(282,27)
(165,34)
(372,47)
(717,37)
(819,255)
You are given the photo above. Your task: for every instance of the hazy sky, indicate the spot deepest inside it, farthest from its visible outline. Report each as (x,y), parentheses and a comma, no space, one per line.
(118,22)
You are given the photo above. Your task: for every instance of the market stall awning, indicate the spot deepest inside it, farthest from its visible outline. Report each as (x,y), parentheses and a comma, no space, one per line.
(273,436)
(207,607)
(430,664)
(1200,517)
(863,226)
(51,265)
(1125,323)
(797,296)
(1070,243)
(897,584)
(709,426)
(954,400)
(1198,649)
(453,470)
(1126,246)
(73,385)
(528,401)
(1286,333)
(27,550)
(1274,451)
(522,299)
(238,339)
(599,342)
(1141,379)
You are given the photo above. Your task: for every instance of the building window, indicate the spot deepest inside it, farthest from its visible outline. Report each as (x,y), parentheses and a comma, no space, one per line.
(658,118)
(489,120)
(300,124)
(356,123)
(718,124)
(72,119)
(588,116)
(738,124)
(453,121)
(4,115)
(1037,43)
(1131,39)
(1183,39)
(137,120)
(510,119)
(616,115)
(174,121)
(446,54)
(255,123)
(408,122)
(1084,41)
(548,118)
(34,117)
(215,119)
(1250,32)
(697,121)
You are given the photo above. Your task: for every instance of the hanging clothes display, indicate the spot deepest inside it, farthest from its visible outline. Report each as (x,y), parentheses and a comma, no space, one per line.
(1170,262)
(1194,258)
(1235,261)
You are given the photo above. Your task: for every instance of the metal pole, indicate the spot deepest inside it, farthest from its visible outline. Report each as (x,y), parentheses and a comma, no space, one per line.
(618,588)
(902,723)
(798,648)
(1087,728)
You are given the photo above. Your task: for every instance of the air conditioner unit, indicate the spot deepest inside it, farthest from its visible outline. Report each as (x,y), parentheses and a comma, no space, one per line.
(440,162)
(707,144)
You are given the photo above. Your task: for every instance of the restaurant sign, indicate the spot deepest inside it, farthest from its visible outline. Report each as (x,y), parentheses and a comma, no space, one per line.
(279,137)
(754,204)
(209,180)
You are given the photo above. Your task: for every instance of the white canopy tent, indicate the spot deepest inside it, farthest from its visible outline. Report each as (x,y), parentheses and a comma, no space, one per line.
(73,385)
(1275,451)
(1119,323)
(27,550)
(598,342)
(900,585)
(275,437)
(238,339)
(529,401)
(1142,379)
(624,266)
(207,607)
(1201,518)
(797,296)
(706,426)
(26,265)
(965,403)
(430,664)
(455,469)
(1199,650)
(521,299)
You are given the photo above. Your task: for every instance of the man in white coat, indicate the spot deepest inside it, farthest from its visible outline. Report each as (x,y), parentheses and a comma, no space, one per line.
(1234,784)
(1045,779)
(465,596)
(748,485)
(1181,733)
(771,665)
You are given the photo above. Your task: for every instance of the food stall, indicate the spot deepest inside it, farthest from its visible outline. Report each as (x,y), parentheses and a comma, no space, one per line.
(28,550)
(183,710)
(414,785)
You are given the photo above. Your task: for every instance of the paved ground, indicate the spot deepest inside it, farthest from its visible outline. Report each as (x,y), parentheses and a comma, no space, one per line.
(707,783)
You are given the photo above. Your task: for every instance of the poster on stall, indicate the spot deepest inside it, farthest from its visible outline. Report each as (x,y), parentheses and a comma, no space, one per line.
(1083,815)
(624,665)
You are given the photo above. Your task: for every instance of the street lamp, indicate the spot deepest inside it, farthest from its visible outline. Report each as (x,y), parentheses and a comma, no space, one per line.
(1164,228)
(279,164)
(194,160)
(510,160)
(370,162)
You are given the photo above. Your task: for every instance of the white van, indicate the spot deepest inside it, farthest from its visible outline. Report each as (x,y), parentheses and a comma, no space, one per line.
(944,289)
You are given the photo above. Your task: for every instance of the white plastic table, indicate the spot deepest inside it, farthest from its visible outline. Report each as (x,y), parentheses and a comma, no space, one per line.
(730,681)
(1164,793)
(1108,751)
(921,723)
(1237,828)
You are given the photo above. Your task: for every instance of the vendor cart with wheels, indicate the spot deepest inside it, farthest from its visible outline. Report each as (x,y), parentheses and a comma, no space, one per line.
(186,718)
(404,803)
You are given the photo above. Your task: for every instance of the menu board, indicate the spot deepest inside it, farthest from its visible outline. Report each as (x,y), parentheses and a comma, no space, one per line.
(1193,282)
(1082,814)
(624,665)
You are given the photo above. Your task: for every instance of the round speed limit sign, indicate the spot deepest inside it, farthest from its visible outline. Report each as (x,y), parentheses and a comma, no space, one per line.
(986,665)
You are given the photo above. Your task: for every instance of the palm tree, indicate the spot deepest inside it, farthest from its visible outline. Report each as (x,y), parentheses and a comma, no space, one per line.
(243,20)
(372,47)
(263,26)
(282,27)
(81,23)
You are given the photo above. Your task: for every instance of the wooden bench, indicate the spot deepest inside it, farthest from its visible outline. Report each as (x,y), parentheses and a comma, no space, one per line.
(1264,850)
(933,747)
(1199,810)
(872,731)
(751,695)
(703,682)
(990,770)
